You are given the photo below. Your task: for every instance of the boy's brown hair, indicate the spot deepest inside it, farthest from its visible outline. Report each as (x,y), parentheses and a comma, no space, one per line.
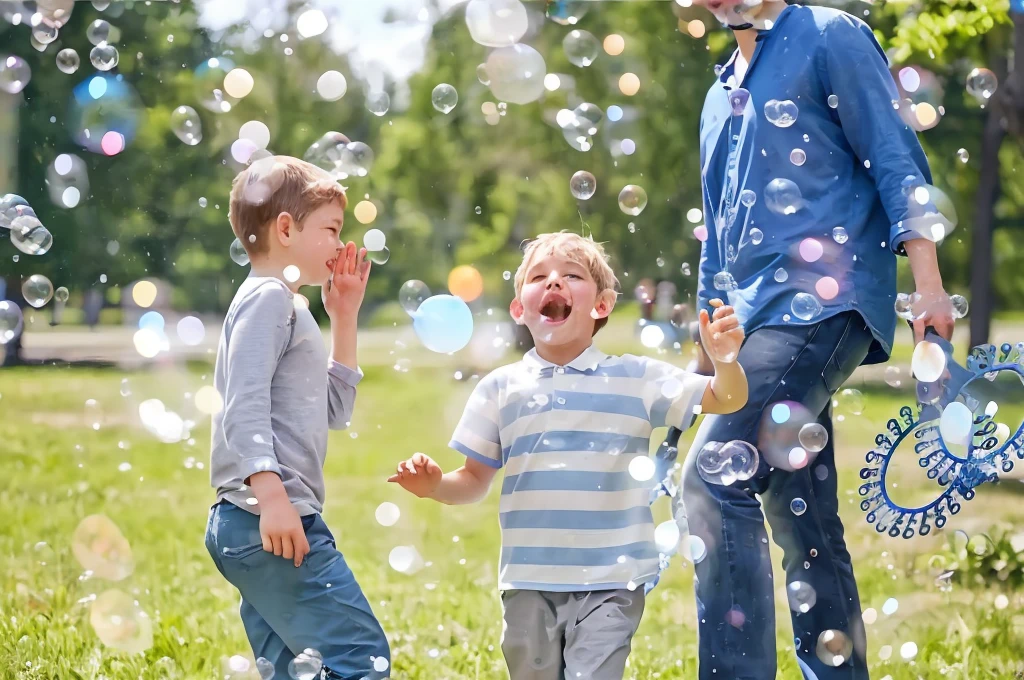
(583,250)
(275,185)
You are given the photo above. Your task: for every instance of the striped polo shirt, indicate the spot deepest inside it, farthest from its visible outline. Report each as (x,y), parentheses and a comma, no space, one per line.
(573,517)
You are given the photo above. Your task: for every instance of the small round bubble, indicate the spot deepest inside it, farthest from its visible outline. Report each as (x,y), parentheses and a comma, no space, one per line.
(444,98)
(238,254)
(103,57)
(756,236)
(15,74)
(781,113)
(797,157)
(378,103)
(582,185)
(813,437)
(68,60)
(839,235)
(186,125)
(632,199)
(412,294)
(805,306)
(581,47)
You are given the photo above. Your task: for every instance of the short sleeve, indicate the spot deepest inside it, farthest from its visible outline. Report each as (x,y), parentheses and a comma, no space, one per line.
(477,434)
(672,394)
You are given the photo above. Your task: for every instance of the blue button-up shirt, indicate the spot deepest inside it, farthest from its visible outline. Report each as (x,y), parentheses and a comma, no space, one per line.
(822,205)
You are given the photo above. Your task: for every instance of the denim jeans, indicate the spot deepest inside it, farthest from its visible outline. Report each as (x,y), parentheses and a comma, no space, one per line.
(286,609)
(734,582)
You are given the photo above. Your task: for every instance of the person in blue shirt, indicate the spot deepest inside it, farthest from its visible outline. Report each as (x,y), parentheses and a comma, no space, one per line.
(813,185)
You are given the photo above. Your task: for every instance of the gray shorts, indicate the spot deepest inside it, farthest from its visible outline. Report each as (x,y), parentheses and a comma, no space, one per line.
(565,636)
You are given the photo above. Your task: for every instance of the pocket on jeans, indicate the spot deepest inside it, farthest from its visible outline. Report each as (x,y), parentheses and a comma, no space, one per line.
(242,551)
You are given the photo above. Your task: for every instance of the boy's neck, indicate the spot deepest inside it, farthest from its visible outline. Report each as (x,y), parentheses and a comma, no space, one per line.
(560,355)
(747,40)
(267,266)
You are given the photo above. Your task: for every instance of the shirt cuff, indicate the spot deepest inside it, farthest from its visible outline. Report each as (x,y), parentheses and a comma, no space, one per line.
(344,373)
(933,227)
(251,466)
(470,453)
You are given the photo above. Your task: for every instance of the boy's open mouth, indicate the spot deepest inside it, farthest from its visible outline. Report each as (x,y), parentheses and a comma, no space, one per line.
(555,310)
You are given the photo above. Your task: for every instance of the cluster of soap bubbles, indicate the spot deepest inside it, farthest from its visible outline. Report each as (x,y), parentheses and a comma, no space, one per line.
(727,463)
(579,125)
(27,233)
(340,156)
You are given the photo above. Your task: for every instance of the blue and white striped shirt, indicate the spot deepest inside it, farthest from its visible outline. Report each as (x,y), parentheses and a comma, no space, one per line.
(572,515)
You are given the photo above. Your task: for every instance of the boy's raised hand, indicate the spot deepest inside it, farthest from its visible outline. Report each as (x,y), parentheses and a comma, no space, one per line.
(721,335)
(419,475)
(343,292)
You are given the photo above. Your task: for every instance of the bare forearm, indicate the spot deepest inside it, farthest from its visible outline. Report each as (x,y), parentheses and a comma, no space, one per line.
(343,340)
(728,388)
(268,489)
(460,487)
(924,264)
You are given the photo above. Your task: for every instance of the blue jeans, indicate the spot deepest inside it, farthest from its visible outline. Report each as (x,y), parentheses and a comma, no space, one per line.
(286,609)
(734,582)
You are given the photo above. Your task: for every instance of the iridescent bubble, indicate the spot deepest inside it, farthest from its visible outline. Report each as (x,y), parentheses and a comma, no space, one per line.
(781,113)
(725,464)
(61,294)
(14,74)
(379,256)
(100,547)
(412,294)
(496,23)
(37,290)
(813,437)
(332,86)
(305,667)
(119,623)
(186,125)
(517,73)
(797,157)
(805,306)
(581,47)
(30,236)
(98,32)
(11,321)
(960,306)
(834,648)
(238,254)
(839,235)
(802,596)
(738,99)
(378,102)
(928,362)
(982,84)
(582,185)
(68,61)
(850,401)
(632,199)
(783,196)
(444,98)
(443,323)
(340,157)
(756,236)
(798,506)
(103,57)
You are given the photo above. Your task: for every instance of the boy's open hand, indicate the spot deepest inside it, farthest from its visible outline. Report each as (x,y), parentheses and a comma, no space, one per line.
(721,335)
(282,532)
(343,292)
(419,475)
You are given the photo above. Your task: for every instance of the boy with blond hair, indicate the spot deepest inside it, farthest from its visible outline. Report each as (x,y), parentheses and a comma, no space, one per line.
(566,423)
(281,395)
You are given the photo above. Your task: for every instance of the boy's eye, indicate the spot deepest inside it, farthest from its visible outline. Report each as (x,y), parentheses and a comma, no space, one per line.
(538,277)
(573,276)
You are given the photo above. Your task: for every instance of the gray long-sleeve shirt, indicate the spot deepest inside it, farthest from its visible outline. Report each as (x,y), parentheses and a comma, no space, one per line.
(280,397)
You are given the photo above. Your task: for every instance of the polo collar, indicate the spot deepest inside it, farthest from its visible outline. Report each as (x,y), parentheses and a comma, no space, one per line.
(588,360)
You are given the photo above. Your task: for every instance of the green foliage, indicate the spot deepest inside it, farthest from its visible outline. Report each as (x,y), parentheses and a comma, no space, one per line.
(992,558)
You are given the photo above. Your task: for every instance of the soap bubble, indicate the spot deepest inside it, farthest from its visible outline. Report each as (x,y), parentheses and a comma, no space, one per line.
(748,198)
(11,207)
(190,330)
(632,199)
(756,236)
(850,401)
(14,74)
(839,235)
(725,464)
(834,648)
(928,362)
(339,156)
(956,424)
(405,559)
(119,623)
(496,23)
(238,254)
(305,667)
(211,82)
(652,336)
(44,33)
(805,306)
(11,321)
(580,125)
(963,155)
(517,73)
(186,125)
(67,180)
(781,113)
(797,157)
(481,74)
(256,132)
(444,98)
(265,668)
(67,60)
(892,376)
(387,514)
(813,437)
(781,275)
(581,47)
(238,83)
(908,306)
(374,239)
(798,506)
(910,79)
(30,236)
(783,196)
(642,468)
(311,23)
(833,101)
(37,290)
(379,256)
(61,294)
(725,281)
(101,105)
(443,323)
(982,84)
(100,547)
(628,147)
(960,306)
(332,86)
(378,102)
(582,185)
(103,57)
(98,32)
(738,99)
(567,12)
(802,596)
(412,294)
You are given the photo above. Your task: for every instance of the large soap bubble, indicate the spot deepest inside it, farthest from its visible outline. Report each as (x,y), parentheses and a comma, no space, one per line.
(100,547)
(120,624)
(443,323)
(727,463)
(496,23)
(517,73)
(102,104)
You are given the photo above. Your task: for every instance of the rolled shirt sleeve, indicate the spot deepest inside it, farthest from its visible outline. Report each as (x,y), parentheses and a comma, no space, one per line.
(857,72)
(672,394)
(477,435)
(341,394)
(262,329)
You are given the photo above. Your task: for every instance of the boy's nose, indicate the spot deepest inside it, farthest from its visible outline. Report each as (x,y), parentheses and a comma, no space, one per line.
(554,281)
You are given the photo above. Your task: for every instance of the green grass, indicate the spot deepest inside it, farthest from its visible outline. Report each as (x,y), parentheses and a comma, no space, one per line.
(57,469)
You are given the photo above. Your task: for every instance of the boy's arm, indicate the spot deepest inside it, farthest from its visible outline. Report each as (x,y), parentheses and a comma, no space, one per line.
(727,391)
(422,477)
(878,135)
(343,373)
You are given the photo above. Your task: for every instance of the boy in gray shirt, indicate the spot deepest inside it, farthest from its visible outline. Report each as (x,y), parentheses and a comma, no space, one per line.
(281,394)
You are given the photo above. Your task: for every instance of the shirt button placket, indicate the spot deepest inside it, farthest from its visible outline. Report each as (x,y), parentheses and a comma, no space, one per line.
(559,371)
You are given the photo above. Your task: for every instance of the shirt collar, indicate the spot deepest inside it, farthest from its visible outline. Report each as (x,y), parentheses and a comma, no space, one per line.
(762,34)
(588,360)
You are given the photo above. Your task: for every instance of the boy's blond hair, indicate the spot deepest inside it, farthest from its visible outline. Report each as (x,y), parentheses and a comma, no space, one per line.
(583,250)
(275,185)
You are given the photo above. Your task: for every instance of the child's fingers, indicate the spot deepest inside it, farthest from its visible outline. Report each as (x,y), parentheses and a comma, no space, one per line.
(277,545)
(726,324)
(351,264)
(395,477)
(722,311)
(716,302)
(287,551)
(301,549)
(364,271)
(704,318)
(420,459)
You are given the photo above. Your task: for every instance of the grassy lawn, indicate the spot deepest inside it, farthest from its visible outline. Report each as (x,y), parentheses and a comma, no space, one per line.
(444,621)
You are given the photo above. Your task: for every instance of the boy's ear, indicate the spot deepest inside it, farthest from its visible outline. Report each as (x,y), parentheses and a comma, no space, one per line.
(515,308)
(604,304)
(284,227)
